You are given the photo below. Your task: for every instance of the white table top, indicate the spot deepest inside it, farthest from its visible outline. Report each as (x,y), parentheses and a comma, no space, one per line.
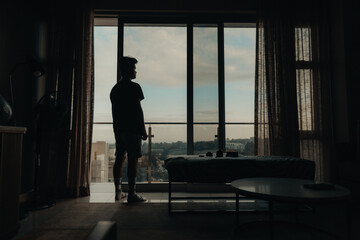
(287,189)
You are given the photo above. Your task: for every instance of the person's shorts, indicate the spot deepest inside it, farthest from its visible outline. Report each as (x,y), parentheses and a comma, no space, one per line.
(128,143)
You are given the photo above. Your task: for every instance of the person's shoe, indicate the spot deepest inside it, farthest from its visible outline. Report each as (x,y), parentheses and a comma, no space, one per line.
(119,195)
(133,198)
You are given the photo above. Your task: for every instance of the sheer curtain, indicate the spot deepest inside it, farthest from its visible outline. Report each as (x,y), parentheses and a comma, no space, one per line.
(276,123)
(293,83)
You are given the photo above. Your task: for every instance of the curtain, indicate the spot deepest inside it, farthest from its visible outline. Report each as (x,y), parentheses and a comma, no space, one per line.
(78,180)
(71,76)
(293,83)
(276,123)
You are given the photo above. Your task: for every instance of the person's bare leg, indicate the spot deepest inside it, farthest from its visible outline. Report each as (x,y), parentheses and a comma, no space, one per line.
(117,173)
(132,171)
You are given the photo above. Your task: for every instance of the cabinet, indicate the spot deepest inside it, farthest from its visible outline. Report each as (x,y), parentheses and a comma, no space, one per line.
(11,139)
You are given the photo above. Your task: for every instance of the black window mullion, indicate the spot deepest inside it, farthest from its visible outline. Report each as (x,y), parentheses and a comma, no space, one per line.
(190,89)
(120,50)
(221,87)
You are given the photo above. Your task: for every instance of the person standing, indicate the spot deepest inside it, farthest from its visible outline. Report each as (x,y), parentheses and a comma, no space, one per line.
(128,125)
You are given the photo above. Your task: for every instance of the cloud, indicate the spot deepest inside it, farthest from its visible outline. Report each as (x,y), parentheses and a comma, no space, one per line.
(239,55)
(161,53)
(105,54)
(244,33)
(206,115)
(105,46)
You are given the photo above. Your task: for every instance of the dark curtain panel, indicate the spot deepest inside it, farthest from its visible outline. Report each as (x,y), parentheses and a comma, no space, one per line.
(71,71)
(293,84)
(82,106)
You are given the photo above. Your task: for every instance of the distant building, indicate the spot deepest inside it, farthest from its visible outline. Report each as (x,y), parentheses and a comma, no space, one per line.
(235,146)
(111,164)
(100,161)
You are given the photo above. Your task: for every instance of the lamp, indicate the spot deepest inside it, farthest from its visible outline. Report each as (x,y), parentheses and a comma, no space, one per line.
(36,69)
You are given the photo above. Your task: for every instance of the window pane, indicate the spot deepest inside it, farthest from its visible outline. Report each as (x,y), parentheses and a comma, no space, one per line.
(103,132)
(168,140)
(239,49)
(105,59)
(240,138)
(205,75)
(167,133)
(161,70)
(205,139)
(303,46)
(305,99)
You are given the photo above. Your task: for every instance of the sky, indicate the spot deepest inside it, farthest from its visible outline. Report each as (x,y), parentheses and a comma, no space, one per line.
(161,72)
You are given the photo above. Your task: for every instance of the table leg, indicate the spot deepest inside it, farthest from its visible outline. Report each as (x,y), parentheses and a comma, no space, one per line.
(297,212)
(169,200)
(348,220)
(237,209)
(235,235)
(271,220)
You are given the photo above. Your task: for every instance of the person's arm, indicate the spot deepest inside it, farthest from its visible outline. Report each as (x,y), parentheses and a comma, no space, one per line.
(144,134)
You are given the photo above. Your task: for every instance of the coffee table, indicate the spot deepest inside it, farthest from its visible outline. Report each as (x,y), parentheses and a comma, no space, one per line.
(287,190)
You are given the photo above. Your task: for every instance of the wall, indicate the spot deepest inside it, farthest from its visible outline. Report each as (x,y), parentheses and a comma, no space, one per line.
(22,32)
(352,58)
(345,62)
(176,5)
(349,148)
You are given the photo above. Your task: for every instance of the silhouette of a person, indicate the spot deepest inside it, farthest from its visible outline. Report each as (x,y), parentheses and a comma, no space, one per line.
(129,127)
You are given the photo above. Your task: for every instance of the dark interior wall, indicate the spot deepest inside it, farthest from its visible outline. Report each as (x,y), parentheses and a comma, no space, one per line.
(23,32)
(176,5)
(340,101)
(352,53)
(345,50)
(4,52)
(348,88)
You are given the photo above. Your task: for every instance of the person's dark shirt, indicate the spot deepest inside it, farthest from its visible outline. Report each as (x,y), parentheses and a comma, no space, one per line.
(127,113)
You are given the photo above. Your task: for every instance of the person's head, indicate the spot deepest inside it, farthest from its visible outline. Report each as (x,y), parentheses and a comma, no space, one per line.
(127,67)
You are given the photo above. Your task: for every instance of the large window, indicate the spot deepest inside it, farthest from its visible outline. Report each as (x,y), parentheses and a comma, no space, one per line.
(163,52)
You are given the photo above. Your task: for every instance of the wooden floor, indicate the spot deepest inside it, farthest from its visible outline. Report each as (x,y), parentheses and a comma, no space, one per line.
(75,218)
